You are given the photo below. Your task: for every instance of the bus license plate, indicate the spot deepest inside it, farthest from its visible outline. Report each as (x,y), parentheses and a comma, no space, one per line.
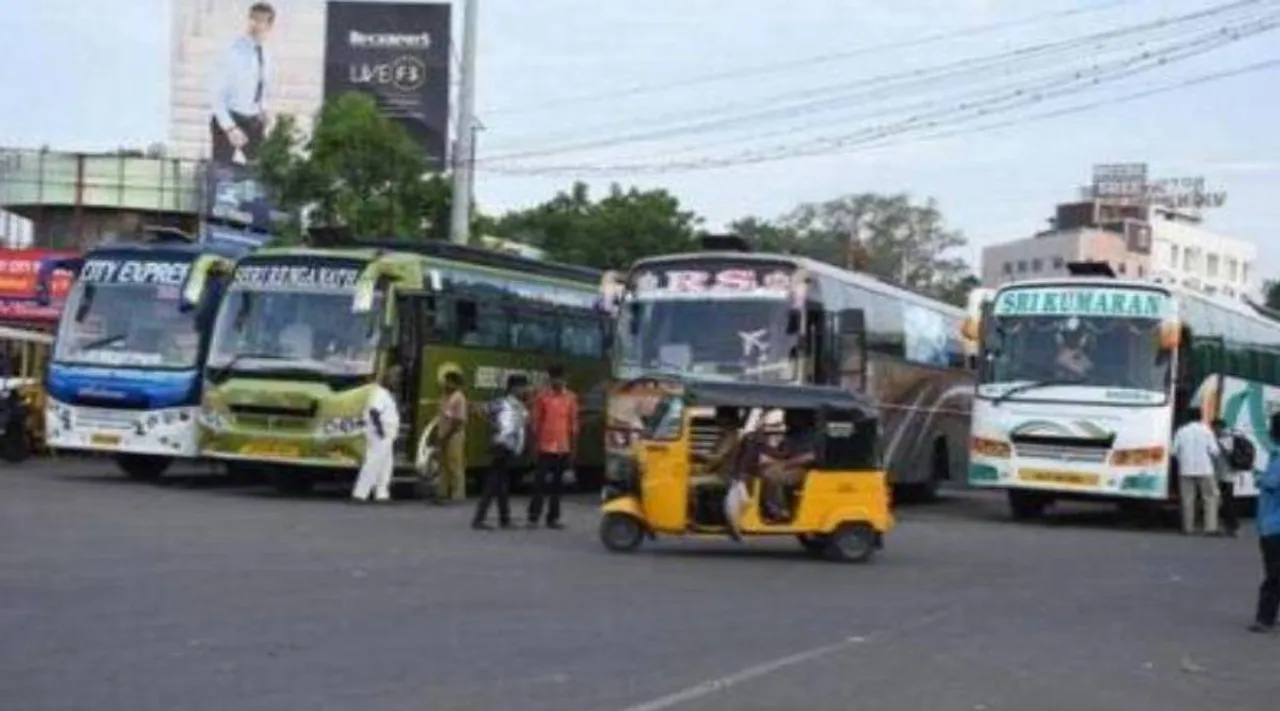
(1042,476)
(270,449)
(105,440)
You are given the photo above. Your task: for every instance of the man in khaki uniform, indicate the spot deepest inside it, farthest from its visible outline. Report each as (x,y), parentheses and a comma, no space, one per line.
(451,436)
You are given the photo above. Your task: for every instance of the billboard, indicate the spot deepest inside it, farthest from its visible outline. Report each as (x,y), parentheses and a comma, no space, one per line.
(1131,184)
(18,270)
(397,53)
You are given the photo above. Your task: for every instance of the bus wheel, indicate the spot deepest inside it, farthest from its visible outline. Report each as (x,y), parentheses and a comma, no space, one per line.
(851,543)
(291,482)
(1026,505)
(621,533)
(143,467)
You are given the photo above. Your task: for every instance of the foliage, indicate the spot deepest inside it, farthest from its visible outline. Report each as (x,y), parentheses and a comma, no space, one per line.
(358,170)
(608,233)
(885,235)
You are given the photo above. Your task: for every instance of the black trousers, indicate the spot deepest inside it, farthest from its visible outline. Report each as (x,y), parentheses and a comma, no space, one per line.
(1269,592)
(254,129)
(548,481)
(497,486)
(1227,509)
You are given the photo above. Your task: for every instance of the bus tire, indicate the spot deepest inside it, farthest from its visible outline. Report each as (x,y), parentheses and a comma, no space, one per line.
(1027,505)
(143,467)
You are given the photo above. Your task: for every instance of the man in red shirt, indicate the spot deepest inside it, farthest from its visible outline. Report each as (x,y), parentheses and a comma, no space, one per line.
(555,436)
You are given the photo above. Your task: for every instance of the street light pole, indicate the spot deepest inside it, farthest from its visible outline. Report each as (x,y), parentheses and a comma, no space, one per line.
(464,152)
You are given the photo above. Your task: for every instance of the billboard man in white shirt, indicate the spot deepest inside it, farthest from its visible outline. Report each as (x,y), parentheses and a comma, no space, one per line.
(1196,448)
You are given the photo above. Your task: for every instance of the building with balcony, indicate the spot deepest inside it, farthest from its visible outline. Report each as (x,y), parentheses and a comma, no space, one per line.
(1186,253)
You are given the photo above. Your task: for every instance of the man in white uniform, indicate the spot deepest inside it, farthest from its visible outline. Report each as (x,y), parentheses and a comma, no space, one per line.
(1196,448)
(382,423)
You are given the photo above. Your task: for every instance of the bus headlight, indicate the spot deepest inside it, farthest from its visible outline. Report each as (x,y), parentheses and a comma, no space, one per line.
(1139,457)
(994,448)
(339,426)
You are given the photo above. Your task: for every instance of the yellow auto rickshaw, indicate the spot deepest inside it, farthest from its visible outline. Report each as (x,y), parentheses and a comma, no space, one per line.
(24,358)
(837,504)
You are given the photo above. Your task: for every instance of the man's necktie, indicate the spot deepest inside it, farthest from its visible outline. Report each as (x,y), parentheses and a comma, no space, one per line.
(257,94)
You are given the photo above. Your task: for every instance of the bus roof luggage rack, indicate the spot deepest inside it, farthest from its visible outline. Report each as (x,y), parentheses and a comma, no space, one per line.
(724,243)
(1094,269)
(482,257)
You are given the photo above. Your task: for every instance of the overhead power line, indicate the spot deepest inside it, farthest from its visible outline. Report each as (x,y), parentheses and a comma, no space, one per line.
(642,89)
(900,84)
(870,142)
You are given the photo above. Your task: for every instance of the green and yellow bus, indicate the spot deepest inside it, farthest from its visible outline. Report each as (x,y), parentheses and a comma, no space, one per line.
(303,334)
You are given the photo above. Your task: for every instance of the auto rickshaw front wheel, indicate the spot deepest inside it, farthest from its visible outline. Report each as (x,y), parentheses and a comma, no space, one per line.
(851,543)
(620,532)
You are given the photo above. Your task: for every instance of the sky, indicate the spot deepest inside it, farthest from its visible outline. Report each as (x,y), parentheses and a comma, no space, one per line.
(93,74)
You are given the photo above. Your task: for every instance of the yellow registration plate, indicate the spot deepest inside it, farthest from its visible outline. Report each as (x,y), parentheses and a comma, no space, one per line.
(270,449)
(105,440)
(1043,476)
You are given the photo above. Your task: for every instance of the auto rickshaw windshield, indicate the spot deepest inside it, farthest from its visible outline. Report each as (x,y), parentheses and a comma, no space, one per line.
(667,419)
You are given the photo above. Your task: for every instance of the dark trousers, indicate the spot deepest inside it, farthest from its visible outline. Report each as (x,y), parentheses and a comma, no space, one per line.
(254,129)
(1269,592)
(497,485)
(548,480)
(1227,509)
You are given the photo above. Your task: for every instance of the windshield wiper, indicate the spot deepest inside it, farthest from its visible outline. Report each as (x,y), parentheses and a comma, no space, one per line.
(223,371)
(1032,386)
(103,342)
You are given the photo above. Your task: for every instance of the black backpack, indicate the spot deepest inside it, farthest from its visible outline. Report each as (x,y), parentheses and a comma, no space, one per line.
(1242,454)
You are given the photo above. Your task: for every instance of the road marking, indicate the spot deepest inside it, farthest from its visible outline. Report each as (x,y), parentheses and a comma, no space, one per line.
(722,683)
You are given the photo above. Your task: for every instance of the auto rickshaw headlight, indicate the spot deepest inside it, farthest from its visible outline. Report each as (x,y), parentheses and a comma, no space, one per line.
(990,448)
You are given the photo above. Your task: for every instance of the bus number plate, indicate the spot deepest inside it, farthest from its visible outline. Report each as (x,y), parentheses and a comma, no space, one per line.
(270,449)
(1042,476)
(105,440)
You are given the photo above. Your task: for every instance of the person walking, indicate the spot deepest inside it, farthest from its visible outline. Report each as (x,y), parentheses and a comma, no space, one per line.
(1196,448)
(511,420)
(238,106)
(451,439)
(1268,521)
(1229,473)
(382,425)
(555,433)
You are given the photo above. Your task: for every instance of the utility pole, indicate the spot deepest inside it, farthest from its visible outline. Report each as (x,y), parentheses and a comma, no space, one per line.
(464,150)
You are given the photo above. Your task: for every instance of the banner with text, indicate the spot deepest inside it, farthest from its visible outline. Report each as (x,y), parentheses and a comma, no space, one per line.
(398,53)
(18,271)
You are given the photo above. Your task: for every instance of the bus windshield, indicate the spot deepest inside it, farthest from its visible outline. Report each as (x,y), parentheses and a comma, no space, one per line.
(265,329)
(744,339)
(1096,351)
(127,325)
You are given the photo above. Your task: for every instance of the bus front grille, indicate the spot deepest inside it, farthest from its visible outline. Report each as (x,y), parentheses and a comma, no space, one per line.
(1061,453)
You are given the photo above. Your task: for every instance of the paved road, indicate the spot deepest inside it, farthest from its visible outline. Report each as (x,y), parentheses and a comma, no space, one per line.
(195,595)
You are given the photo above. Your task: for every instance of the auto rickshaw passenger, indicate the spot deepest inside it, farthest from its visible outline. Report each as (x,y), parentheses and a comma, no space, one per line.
(787,464)
(719,461)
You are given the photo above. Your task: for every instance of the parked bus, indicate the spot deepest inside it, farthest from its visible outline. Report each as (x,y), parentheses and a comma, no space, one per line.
(125,374)
(303,334)
(1082,381)
(772,318)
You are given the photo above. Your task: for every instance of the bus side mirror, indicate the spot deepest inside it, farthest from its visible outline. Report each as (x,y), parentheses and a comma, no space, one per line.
(1170,334)
(794,319)
(633,323)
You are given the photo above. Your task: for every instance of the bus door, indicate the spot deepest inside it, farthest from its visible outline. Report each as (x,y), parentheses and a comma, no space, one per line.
(851,349)
(414,312)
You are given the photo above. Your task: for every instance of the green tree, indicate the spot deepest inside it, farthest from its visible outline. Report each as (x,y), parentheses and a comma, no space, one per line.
(885,235)
(608,233)
(1271,294)
(358,171)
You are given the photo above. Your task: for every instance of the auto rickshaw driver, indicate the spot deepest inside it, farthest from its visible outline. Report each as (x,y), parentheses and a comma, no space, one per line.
(785,465)
(718,463)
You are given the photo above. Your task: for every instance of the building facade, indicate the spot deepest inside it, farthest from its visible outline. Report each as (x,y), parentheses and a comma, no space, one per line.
(1187,254)
(202,32)
(1047,255)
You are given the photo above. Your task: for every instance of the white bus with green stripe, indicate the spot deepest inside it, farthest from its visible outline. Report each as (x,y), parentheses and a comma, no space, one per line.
(1082,380)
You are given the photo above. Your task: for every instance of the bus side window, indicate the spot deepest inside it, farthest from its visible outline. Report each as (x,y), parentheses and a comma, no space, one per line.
(534,331)
(482,324)
(581,337)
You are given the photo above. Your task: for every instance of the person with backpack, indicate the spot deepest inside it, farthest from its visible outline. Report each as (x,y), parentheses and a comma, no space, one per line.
(510,420)
(1268,521)
(1235,462)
